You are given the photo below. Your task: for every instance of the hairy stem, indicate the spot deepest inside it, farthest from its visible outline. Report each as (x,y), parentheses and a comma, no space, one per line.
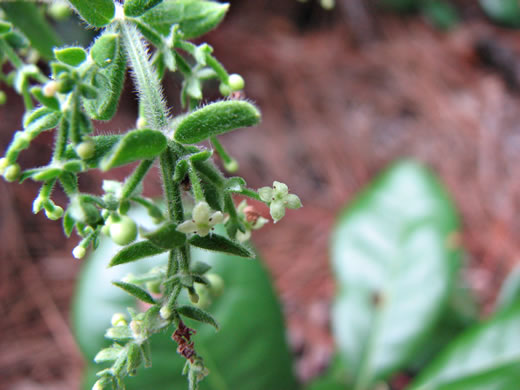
(135,178)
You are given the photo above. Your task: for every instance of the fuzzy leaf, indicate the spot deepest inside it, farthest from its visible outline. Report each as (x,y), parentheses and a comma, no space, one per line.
(97,13)
(68,223)
(139,7)
(135,291)
(195,18)
(197,314)
(214,119)
(73,56)
(41,119)
(50,102)
(105,49)
(135,145)
(134,252)
(119,333)
(485,357)
(217,243)
(27,17)
(109,83)
(108,354)
(167,236)
(391,263)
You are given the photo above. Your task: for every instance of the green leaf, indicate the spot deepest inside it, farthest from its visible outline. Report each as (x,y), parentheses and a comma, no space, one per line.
(509,294)
(195,18)
(5,27)
(68,223)
(141,144)
(135,291)
(214,242)
(103,144)
(108,354)
(29,19)
(109,83)
(505,12)
(216,118)
(97,13)
(441,14)
(485,357)
(139,7)
(251,339)
(73,56)
(198,315)
(134,252)
(50,102)
(167,236)
(394,270)
(104,50)
(41,119)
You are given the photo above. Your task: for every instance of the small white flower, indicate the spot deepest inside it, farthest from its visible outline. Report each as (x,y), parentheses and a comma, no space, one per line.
(278,199)
(203,220)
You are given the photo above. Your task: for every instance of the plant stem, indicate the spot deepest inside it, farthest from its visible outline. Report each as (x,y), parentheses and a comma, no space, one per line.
(135,178)
(195,184)
(61,139)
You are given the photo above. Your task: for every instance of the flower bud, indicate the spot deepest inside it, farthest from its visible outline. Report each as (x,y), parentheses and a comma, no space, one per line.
(86,149)
(54,213)
(236,82)
(4,163)
(225,90)
(124,231)
(12,172)
(79,252)
(118,319)
(231,166)
(141,123)
(165,312)
(50,89)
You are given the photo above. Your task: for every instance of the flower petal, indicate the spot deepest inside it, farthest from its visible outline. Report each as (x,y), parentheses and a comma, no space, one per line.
(201,213)
(266,194)
(280,189)
(277,210)
(293,202)
(187,227)
(203,230)
(216,218)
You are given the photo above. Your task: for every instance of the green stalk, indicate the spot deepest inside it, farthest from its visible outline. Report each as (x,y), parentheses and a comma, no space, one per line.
(198,193)
(61,140)
(135,178)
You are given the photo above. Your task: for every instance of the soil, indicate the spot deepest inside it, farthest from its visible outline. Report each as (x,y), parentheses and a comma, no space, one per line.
(340,102)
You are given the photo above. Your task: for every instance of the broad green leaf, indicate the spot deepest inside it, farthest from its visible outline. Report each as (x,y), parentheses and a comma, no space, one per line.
(214,242)
(139,7)
(394,268)
(135,291)
(104,50)
(134,252)
(166,236)
(73,56)
(29,19)
(140,144)
(505,12)
(41,119)
(109,83)
(248,353)
(485,357)
(195,18)
(97,13)
(108,354)
(197,314)
(510,291)
(216,118)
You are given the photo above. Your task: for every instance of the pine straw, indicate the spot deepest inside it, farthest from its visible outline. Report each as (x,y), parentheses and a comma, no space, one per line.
(334,116)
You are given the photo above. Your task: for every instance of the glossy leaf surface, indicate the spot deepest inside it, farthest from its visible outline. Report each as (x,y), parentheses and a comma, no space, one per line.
(394,268)
(248,353)
(485,357)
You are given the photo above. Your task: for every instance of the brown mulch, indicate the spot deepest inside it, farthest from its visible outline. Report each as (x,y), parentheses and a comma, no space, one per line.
(334,114)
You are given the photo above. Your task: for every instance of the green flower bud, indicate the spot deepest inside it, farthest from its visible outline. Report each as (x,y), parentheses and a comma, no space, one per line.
(54,213)
(165,312)
(231,166)
(79,252)
(118,319)
(3,98)
(225,90)
(194,297)
(12,172)
(50,89)
(236,82)
(124,231)
(141,123)
(86,149)
(59,10)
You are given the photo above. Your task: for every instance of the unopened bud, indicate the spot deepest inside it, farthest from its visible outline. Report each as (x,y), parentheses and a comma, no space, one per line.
(54,213)
(86,149)
(165,312)
(231,166)
(79,252)
(141,123)
(118,319)
(236,82)
(50,89)
(4,163)
(12,172)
